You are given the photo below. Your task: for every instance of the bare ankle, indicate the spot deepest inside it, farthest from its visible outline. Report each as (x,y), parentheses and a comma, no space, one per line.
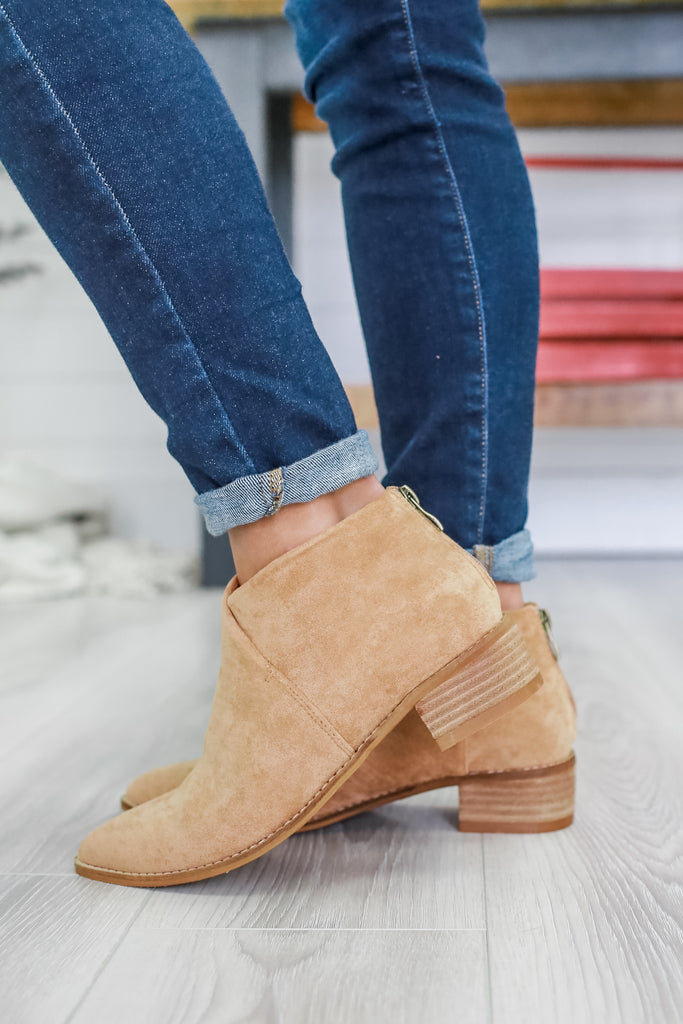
(254,545)
(510,595)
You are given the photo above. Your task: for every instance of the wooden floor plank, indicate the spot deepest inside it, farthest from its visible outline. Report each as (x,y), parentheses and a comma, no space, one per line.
(305,977)
(405,866)
(384,918)
(110,689)
(587,924)
(56,934)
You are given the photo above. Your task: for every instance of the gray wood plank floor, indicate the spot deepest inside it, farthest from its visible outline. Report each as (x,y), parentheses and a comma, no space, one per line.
(391,917)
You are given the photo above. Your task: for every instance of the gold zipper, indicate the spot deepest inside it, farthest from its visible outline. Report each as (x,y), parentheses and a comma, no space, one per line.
(547,627)
(412,498)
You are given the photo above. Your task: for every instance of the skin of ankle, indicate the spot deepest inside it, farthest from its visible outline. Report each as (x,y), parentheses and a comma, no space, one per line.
(510,595)
(254,545)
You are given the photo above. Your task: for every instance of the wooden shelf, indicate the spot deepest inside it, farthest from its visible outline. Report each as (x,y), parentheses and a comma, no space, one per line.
(192,11)
(638,101)
(572,5)
(634,404)
(642,101)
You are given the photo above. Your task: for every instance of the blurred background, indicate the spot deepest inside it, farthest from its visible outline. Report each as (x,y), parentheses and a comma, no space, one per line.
(395,916)
(597,95)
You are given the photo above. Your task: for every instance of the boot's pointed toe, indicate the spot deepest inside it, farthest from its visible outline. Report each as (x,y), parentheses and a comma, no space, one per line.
(265,758)
(123,845)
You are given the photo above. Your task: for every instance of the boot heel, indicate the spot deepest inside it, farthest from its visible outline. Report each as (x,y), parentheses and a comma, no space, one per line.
(533,800)
(483,684)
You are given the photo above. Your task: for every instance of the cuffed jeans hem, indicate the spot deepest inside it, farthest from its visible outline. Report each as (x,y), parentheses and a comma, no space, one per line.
(510,561)
(253,497)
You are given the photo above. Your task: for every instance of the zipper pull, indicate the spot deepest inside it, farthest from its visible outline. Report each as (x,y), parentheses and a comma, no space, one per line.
(412,499)
(547,627)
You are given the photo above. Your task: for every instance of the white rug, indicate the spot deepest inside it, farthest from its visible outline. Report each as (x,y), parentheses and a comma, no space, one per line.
(55,542)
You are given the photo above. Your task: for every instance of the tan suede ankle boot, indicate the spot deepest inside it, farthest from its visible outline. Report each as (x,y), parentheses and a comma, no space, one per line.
(325,651)
(517,775)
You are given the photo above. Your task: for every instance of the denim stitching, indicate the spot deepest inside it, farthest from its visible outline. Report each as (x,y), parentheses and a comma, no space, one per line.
(249,497)
(470,256)
(131,230)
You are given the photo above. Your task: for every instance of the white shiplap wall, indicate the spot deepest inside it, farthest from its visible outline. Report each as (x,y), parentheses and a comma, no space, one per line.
(66,397)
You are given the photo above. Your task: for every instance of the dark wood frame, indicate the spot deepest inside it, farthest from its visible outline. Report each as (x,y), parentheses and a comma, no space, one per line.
(191,12)
(593,104)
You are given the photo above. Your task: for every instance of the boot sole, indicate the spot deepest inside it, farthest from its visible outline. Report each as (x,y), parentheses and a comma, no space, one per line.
(444,690)
(526,800)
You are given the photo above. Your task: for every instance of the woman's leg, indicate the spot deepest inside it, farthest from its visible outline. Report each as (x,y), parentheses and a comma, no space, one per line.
(119,139)
(117,135)
(441,234)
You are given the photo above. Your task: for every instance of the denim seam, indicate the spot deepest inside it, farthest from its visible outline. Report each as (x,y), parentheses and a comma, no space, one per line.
(470,255)
(146,258)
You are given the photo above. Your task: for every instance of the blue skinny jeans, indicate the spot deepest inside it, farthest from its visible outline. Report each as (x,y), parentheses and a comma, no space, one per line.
(117,135)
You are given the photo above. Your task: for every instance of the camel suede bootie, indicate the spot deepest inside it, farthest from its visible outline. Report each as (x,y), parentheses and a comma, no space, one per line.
(517,775)
(324,652)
